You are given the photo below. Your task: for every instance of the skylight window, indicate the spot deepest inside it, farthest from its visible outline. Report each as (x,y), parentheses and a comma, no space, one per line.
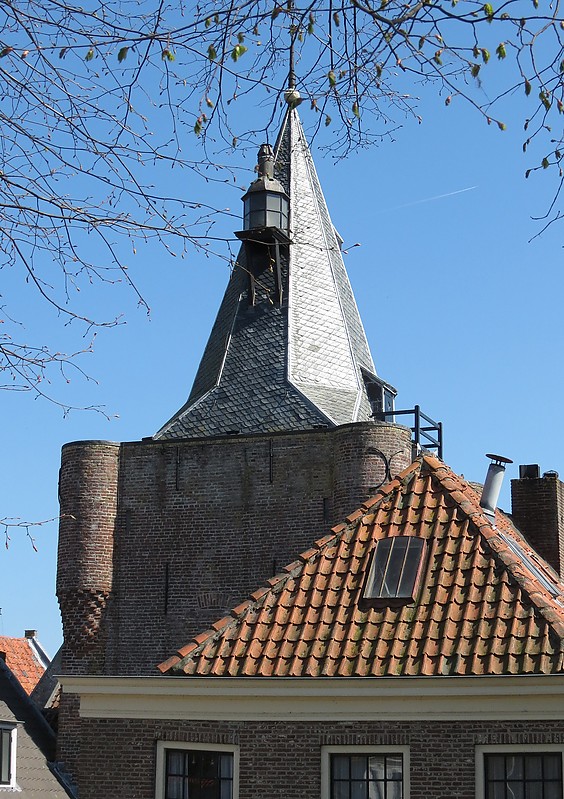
(395,571)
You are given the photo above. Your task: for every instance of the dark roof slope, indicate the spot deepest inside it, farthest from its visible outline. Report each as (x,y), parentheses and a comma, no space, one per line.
(482,608)
(35,750)
(270,367)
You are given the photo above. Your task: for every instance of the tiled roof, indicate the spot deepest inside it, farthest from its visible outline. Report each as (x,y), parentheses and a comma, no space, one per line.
(267,367)
(25,660)
(481,609)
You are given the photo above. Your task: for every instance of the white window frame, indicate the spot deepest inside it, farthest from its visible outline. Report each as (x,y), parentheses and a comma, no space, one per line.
(10,786)
(363,749)
(507,749)
(163,746)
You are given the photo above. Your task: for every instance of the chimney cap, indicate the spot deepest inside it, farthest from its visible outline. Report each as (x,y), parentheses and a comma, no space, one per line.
(528,471)
(30,634)
(498,458)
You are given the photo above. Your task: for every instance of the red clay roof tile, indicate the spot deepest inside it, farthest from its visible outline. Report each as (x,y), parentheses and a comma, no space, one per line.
(481,610)
(23,660)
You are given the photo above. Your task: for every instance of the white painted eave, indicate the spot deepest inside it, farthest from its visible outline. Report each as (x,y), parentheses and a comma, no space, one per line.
(320,698)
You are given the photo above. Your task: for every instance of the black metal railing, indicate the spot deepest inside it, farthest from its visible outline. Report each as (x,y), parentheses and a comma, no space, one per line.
(429,436)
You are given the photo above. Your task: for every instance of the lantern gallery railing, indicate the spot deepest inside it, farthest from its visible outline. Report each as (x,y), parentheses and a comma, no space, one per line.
(425,436)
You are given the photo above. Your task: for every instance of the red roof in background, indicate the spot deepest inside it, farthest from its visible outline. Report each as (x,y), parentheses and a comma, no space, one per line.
(488,603)
(23,660)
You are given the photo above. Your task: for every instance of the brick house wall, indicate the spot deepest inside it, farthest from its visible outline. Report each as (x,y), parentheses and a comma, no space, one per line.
(282,760)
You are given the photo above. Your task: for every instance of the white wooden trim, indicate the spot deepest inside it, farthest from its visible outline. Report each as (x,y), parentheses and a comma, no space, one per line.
(535,697)
(327,751)
(502,749)
(162,746)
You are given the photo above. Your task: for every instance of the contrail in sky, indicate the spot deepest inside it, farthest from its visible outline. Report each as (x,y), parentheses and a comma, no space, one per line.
(430,199)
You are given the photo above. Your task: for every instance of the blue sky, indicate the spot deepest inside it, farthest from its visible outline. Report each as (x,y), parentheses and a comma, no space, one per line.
(463,315)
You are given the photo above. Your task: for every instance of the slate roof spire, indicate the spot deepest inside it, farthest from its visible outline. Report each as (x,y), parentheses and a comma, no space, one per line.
(294,356)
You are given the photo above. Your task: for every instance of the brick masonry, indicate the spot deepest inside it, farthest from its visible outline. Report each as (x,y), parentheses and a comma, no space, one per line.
(537,506)
(281,760)
(160,539)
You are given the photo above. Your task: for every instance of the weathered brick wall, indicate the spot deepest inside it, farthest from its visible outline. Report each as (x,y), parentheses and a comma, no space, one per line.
(160,539)
(281,760)
(88,502)
(537,506)
(197,526)
(203,523)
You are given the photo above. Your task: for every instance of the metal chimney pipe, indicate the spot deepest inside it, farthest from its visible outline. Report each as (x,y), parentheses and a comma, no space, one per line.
(492,486)
(266,161)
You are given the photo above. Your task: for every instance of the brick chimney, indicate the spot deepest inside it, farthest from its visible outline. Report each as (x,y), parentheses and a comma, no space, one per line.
(537,507)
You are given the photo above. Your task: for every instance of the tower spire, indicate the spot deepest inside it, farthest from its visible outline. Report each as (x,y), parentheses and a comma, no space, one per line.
(294,364)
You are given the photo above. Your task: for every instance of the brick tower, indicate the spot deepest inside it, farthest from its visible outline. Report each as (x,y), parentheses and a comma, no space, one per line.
(277,441)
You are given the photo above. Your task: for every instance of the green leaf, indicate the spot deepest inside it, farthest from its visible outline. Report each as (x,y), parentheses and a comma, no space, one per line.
(198,127)
(5,51)
(545,163)
(560,106)
(89,55)
(122,55)
(502,125)
(485,55)
(216,19)
(356,110)
(500,51)
(209,102)
(332,78)
(212,54)
(421,43)
(240,37)
(545,100)
(238,51)
(488,11)
(475,70)
(208,22)
(275,11)
(437,57)
(528,87)
(476,51)
(167,54)
(327,120)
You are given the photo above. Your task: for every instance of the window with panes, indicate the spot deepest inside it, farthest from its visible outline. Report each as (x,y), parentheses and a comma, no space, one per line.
(522,775)
(367,776)
(198,774)
(6,755)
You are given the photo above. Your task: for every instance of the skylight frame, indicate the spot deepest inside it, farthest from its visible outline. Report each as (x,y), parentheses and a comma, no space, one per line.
(394,575)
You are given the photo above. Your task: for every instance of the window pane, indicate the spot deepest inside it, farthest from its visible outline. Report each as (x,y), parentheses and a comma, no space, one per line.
(514,766)
(410,567)
(174,788)
(358,789)
(226,765)
(376,767)
(552,766)
(370,776)
(533,767)
(515,790)
(394,767)
(496,790)
(340,790)
(340,767)
(533,790)
(358,768)
(553,790)
(196,775)
(5,744)
(272,219)
(395,790)
(495,767)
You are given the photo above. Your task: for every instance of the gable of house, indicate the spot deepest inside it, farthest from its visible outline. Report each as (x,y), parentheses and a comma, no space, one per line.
(487,604)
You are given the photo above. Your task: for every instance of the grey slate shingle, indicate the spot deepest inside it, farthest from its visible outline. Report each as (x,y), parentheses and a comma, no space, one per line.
(268,368)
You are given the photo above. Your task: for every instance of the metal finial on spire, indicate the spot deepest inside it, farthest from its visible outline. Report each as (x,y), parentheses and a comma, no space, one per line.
(292,95)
